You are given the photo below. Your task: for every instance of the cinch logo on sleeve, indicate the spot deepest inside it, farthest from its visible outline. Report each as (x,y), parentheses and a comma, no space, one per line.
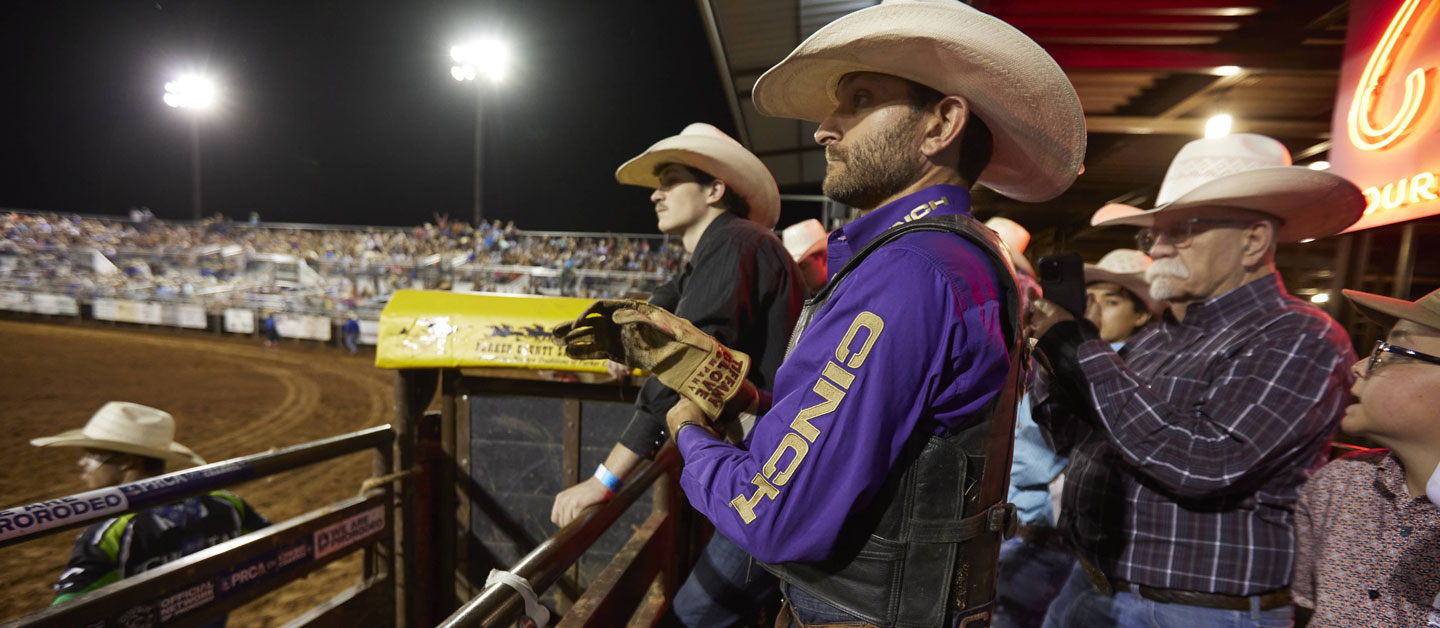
(832,385)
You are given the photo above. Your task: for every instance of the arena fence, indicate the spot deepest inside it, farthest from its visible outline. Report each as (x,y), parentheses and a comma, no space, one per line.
(201,587)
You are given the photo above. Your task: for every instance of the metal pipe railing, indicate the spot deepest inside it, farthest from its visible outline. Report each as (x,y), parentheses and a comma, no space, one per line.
(23,523)
(499,604)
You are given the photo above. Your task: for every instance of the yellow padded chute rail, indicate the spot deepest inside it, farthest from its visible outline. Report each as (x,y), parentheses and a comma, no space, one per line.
(432,329)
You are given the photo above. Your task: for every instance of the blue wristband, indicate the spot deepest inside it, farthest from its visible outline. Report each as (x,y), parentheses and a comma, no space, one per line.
(607,478)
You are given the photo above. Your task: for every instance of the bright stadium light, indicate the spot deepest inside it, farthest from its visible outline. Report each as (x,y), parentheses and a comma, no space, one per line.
(1319,165)
(1218,126)
(1227,70)
(190,92)
(487,57)
(1320,298)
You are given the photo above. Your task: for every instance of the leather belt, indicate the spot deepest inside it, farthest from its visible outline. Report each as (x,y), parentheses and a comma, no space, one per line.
(1043,536)
(1108,586)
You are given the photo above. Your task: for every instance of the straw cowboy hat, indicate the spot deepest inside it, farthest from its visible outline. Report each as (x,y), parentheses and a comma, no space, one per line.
(710,150)
(1126,268)
(1010,82)
(1016,238)
(128,428)
(1386,311)
(1250,172)
(803,238)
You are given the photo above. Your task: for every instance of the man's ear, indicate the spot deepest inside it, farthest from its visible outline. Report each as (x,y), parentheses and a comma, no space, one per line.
(714,192)
(947,120)
(1259,243)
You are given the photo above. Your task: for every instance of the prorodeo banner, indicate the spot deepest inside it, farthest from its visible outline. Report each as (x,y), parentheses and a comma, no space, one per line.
(425,329)
(58,512)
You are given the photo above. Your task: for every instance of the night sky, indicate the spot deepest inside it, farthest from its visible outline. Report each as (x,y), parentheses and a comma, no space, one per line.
(344,111)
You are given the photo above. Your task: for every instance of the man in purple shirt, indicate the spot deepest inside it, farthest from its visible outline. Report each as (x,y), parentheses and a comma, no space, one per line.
(866,486)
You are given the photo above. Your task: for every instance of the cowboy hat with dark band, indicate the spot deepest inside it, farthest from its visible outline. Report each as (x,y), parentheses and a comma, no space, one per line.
(127,428)
(710,150)
(1253,173)
(1009,81)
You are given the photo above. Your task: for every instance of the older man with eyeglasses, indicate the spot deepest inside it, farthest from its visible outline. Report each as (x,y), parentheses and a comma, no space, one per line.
(1188,447)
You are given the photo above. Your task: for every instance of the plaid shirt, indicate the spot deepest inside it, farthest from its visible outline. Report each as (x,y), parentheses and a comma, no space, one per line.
(1186,475)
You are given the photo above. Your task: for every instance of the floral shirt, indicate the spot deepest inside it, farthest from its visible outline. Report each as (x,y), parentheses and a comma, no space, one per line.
(1368,553)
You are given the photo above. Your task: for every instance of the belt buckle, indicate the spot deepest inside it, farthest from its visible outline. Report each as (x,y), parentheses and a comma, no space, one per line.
(1098,579)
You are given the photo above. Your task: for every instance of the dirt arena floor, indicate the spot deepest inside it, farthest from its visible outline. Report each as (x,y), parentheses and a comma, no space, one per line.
(230,397)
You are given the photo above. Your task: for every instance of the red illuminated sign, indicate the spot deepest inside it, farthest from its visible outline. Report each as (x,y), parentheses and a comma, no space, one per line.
(1386,125)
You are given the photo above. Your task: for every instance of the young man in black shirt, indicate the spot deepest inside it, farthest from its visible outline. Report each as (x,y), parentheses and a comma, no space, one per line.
(740,286)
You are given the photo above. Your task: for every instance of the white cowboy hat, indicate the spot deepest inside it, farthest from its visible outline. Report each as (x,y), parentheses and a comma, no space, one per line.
(1250,172)
(1010,82)
(1016,238)
(1126,268)
(710,150)
(1386,310)
(803,238)
(128,428)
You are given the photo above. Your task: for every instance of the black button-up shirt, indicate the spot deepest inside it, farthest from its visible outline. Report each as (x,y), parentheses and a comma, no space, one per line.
(739,286)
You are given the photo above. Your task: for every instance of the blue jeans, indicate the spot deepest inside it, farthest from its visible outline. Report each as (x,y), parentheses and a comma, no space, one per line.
(726,588)
(1030,578)
(1081,606)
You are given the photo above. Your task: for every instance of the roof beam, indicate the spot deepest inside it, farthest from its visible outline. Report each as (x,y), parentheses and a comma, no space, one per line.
(1196,23)
(1137,125)
(1167,58)
(1220,8)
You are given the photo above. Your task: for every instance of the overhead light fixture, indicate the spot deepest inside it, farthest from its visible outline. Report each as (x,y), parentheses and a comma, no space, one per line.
(1319,165)
(1227,70)
(1323,297)
(1307,240)
(1218,126)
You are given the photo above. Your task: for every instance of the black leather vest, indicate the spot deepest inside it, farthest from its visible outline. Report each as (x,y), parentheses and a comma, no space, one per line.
(924,552)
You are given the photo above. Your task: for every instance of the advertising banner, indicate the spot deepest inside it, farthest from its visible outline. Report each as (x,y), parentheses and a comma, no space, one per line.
(55,305)
(14,301)
(239,321)
(1387,111)
(305,327)
(433,329)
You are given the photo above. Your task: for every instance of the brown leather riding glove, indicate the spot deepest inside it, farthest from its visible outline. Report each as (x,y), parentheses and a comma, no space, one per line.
(643,336)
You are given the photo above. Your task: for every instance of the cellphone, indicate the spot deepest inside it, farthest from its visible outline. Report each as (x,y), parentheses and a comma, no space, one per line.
(1062,278)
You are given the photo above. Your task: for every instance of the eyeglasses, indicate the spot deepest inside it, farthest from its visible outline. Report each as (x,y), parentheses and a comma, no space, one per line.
(1382,347)
(1180,233)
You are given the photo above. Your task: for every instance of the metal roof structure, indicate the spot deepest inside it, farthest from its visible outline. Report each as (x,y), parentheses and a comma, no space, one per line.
(1148,74)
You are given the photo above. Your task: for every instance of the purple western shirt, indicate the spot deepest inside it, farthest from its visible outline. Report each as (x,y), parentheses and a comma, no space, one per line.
(911,341)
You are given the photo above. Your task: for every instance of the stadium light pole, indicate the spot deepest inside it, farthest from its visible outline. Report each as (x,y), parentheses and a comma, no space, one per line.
(482,59)
(196,94)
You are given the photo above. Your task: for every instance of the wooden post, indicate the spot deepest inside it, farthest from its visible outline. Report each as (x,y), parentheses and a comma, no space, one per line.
(415,593)
(1404,263)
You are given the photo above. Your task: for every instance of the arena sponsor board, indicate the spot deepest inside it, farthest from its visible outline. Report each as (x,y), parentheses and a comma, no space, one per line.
(304,327)
(336,537)
(32,518)
(55,305)
(369,332)
(433,329)
(127,311)
(177,604)
(1387,110)
(186,316)
(14,301)
(239,321)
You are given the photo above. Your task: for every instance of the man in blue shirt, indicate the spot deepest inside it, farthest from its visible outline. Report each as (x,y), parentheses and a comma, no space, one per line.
(865,486)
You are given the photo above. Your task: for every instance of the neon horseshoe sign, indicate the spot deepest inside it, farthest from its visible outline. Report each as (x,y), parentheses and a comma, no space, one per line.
(1364,134)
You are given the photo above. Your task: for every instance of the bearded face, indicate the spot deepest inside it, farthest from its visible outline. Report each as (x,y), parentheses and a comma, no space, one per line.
(872,141)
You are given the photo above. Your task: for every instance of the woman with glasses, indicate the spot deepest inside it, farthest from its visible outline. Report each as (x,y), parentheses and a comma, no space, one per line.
(1368,534)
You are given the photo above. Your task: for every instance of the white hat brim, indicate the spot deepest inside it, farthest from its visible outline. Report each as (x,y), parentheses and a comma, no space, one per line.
(1011,83)
(1134,282)
(721,158)
(1309,203)
(1386,311)
(76,438)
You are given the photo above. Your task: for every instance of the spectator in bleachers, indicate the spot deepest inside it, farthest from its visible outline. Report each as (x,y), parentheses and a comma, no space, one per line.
(127,442)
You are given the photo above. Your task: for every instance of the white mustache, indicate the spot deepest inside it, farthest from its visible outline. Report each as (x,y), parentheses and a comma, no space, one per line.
(1167,267)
